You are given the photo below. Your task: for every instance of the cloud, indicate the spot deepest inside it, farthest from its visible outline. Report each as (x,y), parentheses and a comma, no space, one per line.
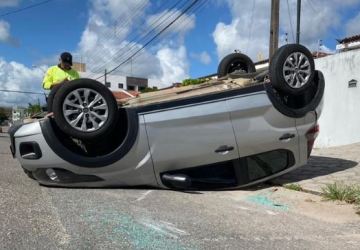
(203,57)
(353,27)
(115,30)
(5,36)
(249,30)
(160,20)
(174,64)
(9,3)
(16,76)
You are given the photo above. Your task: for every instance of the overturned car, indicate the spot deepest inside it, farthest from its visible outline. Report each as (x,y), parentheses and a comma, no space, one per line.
(240,129)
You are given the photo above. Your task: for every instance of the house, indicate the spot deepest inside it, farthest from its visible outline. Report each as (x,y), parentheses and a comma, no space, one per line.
(116,83)
(348,43)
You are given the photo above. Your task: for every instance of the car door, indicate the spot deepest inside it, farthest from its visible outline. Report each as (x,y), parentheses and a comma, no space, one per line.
(267,140)
(190,136)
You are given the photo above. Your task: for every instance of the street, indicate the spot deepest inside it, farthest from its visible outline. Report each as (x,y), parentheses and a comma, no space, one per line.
(268,217)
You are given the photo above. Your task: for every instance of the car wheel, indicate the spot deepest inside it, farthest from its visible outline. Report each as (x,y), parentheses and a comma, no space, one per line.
(235,63)
(292,69)
(298,105)
(85,109)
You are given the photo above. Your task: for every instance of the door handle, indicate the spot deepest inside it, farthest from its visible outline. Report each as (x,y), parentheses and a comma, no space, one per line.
(224,149)
(286,137)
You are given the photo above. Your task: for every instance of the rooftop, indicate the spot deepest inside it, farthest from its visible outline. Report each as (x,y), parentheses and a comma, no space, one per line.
(349,39)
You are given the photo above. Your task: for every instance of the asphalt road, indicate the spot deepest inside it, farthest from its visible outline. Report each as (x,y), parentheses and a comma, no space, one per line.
(36,217)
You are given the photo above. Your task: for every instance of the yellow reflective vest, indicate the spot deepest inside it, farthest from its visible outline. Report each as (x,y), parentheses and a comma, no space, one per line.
(56,75)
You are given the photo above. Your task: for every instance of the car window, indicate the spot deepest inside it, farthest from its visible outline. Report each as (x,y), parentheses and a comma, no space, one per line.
(265,164)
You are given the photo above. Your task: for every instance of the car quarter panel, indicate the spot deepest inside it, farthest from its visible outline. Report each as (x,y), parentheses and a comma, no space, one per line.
(135,168)
(259,127)
(303,126)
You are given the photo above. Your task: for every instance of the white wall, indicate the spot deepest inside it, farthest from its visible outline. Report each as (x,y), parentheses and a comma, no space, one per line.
(340,118)
(113,79)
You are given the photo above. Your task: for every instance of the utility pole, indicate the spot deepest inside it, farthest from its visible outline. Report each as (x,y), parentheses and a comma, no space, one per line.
(298,21)
(105,77)
(274,27)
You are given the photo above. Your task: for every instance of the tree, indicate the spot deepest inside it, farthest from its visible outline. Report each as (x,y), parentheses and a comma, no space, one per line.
(3,115)
(33,109)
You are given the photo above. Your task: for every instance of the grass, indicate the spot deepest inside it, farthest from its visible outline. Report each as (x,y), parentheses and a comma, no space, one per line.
(342,192)
(292,186)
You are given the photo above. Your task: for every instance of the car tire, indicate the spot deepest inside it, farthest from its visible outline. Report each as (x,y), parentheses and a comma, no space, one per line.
(298,106)
(85,109)
(235,62)
(292,69)
(51,96)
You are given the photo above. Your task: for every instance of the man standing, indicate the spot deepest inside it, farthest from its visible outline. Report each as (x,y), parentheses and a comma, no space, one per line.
(57,75)
(60,73)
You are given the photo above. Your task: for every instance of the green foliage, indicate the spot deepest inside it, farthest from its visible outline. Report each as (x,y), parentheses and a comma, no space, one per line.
(4,114)
(188,82)
(293,186)
(33,109)
(149,89)
(342,192)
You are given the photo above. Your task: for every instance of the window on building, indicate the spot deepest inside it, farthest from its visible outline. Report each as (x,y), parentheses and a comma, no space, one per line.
(108,84)
(120,85)
(131,87)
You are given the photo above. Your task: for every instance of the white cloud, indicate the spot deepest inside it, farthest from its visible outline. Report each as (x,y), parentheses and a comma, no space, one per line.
(9,3)
(159,21)
(353,27)
(108,40)
(174,64)
(16,76)
(249,31)
(5,36)
(4,31)
(203,57)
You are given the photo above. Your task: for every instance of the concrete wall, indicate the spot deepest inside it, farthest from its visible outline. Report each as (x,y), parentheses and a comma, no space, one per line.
(340,118)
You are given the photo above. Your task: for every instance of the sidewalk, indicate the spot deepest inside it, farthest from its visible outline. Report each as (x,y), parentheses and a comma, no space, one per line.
(326,166)
(4,135)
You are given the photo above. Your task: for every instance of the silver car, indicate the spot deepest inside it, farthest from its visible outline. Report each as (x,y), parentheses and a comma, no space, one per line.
(244,128)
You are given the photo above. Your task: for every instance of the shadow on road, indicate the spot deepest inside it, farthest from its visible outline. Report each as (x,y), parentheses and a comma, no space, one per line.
(316,167)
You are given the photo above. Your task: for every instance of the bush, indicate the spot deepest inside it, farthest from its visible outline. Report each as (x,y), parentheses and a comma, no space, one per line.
(341,192)
(188,82)
(149,89)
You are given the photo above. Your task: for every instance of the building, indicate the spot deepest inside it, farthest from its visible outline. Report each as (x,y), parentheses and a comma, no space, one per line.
(320,54)
(118,82)
(340,118)
(18,114)
(79,67)
(348,43)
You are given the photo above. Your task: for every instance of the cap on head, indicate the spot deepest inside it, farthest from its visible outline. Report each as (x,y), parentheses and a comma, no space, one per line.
(66,57)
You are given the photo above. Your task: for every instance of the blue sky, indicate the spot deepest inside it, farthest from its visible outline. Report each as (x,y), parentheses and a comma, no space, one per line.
(47,30)
(37,36)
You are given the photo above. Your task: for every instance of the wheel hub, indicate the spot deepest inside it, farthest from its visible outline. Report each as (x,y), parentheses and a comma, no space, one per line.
(85,110)
(297,70)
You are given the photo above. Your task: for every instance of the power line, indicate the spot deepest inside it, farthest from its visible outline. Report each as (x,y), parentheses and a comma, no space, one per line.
(291,24)
(130,46)
(152,39)
(21,92)
(119,22)
(251,25)
(25,8)
(312,5)
(181,22)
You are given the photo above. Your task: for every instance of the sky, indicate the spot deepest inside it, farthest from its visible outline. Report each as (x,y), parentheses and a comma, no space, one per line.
(103,33)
